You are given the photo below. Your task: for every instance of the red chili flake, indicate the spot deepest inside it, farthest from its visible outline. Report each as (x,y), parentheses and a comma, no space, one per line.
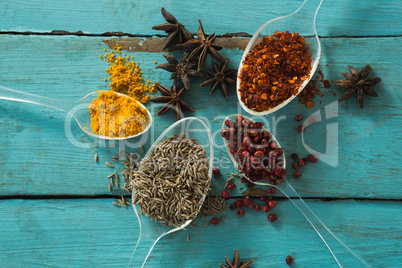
(274,70)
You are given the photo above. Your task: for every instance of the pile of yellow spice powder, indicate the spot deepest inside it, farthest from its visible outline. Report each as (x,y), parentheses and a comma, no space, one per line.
(117,116)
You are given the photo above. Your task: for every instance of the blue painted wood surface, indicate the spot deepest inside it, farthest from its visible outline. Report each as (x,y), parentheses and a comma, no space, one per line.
(39,162)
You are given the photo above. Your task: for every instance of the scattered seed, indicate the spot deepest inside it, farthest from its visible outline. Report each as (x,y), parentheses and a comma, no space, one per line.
(192,225)
(122,202)
(208,223)
(188,237)
(234,174)
(142,149)
(224,216)
(226,185)
(96,158)
(116,204)
(121,152)
(110,187)
(109,165)
(111,175)
(111,181)
(231,178)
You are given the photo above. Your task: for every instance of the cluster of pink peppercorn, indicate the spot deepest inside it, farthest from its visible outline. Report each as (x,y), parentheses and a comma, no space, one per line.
(301,163)
(258,156)
(246,201)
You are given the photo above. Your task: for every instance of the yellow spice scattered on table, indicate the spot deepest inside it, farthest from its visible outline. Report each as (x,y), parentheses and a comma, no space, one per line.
(126,76)
(117,116)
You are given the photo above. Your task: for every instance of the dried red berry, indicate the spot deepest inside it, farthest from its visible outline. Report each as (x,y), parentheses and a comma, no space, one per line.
(266,208)
(216,172)
(232,206)
(294,156)
(301,128)
(272,203)
(298,117)
(258,207)
(302,163)
(231,186)
(259,154)
(240,212)
(272,217)
(273,145)
(252,206)
(246,201)
(225,133)
(243,179)
(229,123)
(312,119)
(289,260)
(239,203)
(271,190)
(296,174)
(225,194)
(239,119)
(295,165)
(215,221)
(263,198)
(312,158)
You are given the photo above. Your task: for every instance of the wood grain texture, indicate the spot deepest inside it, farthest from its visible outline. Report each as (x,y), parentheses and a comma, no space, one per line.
(38,158)
(336,18)
(95,233)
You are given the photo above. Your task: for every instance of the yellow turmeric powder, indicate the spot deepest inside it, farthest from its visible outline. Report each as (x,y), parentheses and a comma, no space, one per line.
(126,76)
(117,116)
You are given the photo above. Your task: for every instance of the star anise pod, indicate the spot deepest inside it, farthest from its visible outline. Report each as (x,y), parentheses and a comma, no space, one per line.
(235,262)
(202,46)
(219,77)
(358,82)
(174,29)
(180,70)
(172,100)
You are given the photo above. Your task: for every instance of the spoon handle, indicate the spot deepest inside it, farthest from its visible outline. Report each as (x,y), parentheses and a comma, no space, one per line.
(146,242)
(15,95)
(333,243)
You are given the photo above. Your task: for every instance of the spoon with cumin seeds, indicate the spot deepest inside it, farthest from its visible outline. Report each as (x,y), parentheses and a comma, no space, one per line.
(171,183)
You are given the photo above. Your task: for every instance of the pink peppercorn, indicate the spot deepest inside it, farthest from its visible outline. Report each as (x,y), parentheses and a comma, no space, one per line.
(215,221)
(301,128)
(272,217)
(312,158)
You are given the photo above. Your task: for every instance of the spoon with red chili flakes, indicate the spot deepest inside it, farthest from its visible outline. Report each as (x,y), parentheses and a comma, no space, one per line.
(278,62)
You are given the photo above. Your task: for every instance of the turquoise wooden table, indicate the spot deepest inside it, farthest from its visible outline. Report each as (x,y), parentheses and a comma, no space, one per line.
(55,208)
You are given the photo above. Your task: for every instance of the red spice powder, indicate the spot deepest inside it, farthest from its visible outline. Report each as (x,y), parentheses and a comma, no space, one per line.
(274,70)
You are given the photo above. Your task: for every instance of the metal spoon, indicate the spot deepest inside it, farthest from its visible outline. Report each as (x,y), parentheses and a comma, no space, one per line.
(291,23)
(194,128)
(79,109)
(333,243)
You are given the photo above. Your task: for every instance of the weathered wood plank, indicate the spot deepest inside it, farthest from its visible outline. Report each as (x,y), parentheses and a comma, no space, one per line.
(95,233)
(350,18)
(38,158)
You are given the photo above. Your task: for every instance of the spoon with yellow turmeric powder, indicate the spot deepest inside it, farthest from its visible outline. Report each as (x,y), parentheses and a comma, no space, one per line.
(102,114)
